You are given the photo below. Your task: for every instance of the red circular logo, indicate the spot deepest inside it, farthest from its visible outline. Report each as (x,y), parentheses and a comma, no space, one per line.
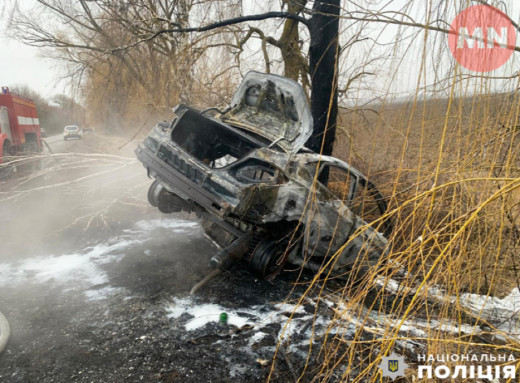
(482,38)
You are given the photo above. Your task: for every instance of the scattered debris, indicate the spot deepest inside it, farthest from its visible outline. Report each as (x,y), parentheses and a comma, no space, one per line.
(262,362)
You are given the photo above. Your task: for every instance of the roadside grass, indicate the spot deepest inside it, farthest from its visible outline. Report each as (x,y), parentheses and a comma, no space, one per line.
(450,169)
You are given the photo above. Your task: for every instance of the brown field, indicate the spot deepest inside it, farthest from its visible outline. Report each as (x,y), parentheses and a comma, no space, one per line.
(450,170)
(407,148)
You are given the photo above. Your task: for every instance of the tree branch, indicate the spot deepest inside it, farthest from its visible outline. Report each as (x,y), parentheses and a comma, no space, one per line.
(220,24)
(375,19)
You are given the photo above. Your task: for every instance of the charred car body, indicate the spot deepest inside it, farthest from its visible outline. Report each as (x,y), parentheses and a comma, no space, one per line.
(261,194)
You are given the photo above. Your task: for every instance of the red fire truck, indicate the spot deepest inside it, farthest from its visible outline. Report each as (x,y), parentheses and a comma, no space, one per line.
(19,125)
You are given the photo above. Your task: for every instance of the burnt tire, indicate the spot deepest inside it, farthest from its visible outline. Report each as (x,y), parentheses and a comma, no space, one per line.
(152,199)
(169,203)
(162,199)
(268,258)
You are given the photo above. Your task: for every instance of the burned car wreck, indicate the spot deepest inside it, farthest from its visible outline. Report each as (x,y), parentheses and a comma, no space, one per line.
(262,196)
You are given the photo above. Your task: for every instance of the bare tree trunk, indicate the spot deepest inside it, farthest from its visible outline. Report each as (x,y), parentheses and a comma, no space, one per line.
(183,54)
(323,67)
(289,43)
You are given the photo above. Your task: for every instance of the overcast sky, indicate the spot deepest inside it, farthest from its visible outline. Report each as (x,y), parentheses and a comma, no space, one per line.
(24,65)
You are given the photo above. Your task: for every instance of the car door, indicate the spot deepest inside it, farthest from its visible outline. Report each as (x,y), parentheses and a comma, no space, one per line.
(368,243)
(343,207)
(329,220)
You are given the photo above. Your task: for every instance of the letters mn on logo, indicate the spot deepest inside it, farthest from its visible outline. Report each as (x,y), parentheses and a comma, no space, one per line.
(482,38)
(393,365)
(492,37)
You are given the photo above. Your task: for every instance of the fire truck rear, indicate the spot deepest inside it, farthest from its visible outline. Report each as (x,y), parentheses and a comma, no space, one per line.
(19,125)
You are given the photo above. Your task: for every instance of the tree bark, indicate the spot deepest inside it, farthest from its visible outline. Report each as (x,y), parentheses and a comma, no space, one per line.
(289,43)
(323,67)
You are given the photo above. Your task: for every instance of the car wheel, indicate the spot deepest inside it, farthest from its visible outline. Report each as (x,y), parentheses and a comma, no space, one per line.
(152,193)
(268,257)
(168,202)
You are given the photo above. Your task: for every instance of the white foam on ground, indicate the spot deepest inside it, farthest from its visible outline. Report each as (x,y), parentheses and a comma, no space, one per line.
(203,314)
(492,307)
(503,314)
(166,223)
(378,322)
(77,268)
(83,269)
(258,336)
(258,317)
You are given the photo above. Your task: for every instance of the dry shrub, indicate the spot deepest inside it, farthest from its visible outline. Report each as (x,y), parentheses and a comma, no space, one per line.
(451,172)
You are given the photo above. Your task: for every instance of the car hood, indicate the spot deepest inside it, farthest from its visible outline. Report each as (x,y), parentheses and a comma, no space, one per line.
(273,107)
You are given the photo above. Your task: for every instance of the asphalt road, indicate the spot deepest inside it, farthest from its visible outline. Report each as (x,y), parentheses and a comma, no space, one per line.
(94,282)
(52,140)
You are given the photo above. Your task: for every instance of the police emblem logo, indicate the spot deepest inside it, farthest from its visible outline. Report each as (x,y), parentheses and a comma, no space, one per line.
(393,366)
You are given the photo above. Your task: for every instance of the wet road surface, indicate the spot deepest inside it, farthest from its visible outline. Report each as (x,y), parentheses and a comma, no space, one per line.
(95,283)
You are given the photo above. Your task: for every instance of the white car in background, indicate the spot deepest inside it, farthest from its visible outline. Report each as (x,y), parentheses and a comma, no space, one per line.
(72,131)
